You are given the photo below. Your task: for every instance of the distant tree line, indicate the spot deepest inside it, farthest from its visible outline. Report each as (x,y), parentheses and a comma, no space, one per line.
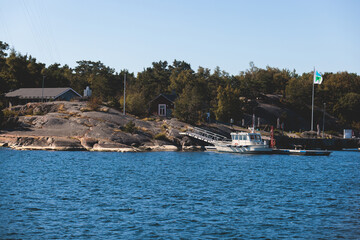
(199,91)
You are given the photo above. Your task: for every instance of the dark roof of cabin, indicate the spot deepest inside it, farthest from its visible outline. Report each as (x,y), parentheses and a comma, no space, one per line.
(171,97)
(26,93)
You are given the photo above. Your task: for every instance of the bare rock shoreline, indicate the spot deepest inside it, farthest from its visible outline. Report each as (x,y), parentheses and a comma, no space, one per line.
(72,126)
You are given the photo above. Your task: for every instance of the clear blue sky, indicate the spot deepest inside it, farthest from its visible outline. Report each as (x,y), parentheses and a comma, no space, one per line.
(292,34)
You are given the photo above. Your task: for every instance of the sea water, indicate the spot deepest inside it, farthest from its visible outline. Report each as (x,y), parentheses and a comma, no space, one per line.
(174,195)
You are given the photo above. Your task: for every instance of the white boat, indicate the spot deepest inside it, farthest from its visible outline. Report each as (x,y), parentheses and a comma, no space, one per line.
(243,142)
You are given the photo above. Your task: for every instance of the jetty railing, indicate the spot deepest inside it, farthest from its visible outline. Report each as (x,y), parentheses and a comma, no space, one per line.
(204,135)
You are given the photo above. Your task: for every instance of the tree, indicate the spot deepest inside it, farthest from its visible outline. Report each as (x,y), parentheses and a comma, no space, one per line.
(136,104)
(229,104)
(190,105)
(299,90)
(153,81)
(348,108)
(3,48)
(100,78)
(57,76)
(21,71)
(179,81)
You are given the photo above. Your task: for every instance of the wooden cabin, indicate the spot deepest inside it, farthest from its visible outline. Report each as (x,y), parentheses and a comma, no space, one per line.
(25,95)
(163,105)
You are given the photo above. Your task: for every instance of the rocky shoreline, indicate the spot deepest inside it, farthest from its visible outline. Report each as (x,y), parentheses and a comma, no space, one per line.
(69,144)
(72,126)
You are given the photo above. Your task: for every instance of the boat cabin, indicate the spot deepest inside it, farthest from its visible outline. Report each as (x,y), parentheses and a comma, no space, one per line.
(243,138)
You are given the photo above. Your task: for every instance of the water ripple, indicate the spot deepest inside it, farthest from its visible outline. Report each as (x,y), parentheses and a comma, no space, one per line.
(83,195)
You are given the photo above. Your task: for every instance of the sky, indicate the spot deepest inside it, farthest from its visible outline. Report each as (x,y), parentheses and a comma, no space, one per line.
(290,34)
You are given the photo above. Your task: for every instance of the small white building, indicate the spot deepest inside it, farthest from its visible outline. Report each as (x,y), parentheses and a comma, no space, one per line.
(348,133)
(87,92)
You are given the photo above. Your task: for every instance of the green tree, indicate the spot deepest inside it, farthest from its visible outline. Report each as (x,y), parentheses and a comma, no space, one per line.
(3,48)
(348,108)
(190,105)
(229,104)
(103,80)
(182,79)
(153,80)
(136,104)
(57,76)
(335,86)
(299,91)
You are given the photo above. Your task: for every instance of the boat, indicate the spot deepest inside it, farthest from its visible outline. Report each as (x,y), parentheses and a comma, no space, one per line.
(244,142)
(302,152)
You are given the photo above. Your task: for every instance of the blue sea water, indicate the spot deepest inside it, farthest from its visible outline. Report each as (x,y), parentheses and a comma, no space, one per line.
(175,195)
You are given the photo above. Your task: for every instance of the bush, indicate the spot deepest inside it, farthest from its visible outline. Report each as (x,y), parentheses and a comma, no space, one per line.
(136,104)
(161,136)
(1,118)
(9,113)
(129,127)
(94,103)
(8,118)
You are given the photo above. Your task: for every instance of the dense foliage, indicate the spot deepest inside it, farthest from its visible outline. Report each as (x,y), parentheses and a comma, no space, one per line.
(199,92)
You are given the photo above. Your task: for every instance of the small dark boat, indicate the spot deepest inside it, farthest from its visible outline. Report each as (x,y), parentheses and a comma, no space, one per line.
(303,152)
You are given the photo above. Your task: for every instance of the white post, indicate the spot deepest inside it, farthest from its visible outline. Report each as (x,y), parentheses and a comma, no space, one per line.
(253,123)
(124,93)
(312,105)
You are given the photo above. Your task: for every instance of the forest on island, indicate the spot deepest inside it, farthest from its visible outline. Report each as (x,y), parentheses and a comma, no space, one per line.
(199,91)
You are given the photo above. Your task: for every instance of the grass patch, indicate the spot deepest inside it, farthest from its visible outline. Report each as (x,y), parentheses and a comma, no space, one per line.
(61,108)
(148,119)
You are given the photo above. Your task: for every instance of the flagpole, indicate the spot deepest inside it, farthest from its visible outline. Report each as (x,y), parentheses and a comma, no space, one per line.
(312,104)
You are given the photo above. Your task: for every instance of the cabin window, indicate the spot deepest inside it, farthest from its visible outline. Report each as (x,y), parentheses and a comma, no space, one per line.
(236,137)
(252,137)
(258,138)
(232,137)
(162,110)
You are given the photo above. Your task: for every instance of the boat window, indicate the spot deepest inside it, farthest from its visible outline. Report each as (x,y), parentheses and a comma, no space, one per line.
(258,137)
(236,137)
(252,137)
(232,137)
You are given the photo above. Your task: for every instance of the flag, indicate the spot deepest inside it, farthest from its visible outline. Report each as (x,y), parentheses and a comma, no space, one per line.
(317,77)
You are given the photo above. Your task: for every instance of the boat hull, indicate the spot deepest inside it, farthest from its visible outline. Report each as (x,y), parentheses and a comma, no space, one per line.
(303,152)
(245,149)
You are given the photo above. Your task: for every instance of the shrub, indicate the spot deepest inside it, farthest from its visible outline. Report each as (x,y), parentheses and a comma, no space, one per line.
(129,127)
(1,118)
(161,136)
(9,113)
(94,103)
(136,104)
